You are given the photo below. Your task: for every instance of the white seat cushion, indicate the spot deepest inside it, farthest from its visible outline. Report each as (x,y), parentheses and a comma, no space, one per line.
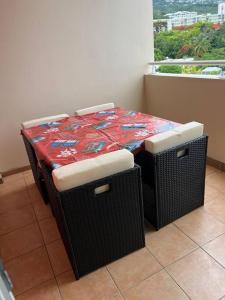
(88,170)
(41,121)
(173,138)
(94,109)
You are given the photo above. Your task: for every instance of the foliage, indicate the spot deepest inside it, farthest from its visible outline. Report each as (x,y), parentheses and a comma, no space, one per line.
(200,41)
(185,51)
(200,45)
(158,54)
(170,69)
(192,69)
(215,54)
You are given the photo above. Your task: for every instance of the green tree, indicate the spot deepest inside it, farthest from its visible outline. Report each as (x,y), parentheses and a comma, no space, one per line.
(202,40)
(158,54)
(201,45)
(215,54)
(185,51)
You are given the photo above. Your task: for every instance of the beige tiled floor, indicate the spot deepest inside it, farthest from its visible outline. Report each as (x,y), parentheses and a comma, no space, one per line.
(184,260)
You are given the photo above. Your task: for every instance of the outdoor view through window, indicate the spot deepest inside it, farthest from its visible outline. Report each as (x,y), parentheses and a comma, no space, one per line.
(189,30)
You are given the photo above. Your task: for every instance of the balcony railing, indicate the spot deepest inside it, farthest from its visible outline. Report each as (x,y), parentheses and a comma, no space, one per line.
(155,68)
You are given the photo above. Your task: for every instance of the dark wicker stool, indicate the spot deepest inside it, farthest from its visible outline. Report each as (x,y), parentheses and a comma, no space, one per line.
(173,186)
(99,228)
(36,170)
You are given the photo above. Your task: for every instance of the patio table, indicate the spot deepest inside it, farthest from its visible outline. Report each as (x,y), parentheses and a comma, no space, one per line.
(80,137)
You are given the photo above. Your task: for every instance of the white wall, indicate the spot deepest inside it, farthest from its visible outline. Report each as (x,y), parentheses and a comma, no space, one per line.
(60,55)
(186,99)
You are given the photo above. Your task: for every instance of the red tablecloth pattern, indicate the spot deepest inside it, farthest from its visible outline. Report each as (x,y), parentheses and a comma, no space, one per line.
(80,137)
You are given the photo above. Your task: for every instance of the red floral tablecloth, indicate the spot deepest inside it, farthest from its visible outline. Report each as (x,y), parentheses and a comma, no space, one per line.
(80,137)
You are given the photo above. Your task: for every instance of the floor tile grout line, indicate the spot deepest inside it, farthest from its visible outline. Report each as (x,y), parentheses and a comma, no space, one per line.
(213,258)
(201,247)
(213,239)
(19,228)
(170,275)
(36,286)
(18,256)
(185,233)
(149,276)
(176,260)
(154,257)
(14,209)
(189,297)
(25,185)
(139,282)
(179,229)
(39,220)
(215,217)
(45,246)
(48,243)
(120,293)
(26,189)
(164,268)
(42,239)
(198,243)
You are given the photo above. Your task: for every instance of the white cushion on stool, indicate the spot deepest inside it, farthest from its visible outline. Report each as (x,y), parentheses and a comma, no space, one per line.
(88,170)
(173,138)
(94,109)
(36,122)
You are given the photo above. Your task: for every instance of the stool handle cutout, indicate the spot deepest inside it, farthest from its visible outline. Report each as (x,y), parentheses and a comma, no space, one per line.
(101,189)
(182,152)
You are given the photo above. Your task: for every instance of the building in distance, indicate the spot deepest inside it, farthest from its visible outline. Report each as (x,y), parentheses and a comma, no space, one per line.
(187,18)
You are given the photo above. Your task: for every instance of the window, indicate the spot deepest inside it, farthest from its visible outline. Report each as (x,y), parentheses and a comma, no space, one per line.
(189,37)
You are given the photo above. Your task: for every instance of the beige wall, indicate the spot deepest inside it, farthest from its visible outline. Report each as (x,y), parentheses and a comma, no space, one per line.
(60,55)
(187,99)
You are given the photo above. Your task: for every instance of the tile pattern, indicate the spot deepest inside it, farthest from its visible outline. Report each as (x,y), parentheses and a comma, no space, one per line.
(96,285)
(158,286)
(199,275)
(58,257)
(184,260)
(169,244)
(49,230)
(129,270)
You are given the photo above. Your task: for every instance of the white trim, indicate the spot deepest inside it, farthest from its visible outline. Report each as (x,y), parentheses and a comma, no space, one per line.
(194,76)
(185,62)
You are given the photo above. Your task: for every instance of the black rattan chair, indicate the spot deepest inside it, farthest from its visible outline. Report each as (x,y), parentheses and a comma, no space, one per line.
(99,228)
(36,170)
(33,159)
(173,185)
